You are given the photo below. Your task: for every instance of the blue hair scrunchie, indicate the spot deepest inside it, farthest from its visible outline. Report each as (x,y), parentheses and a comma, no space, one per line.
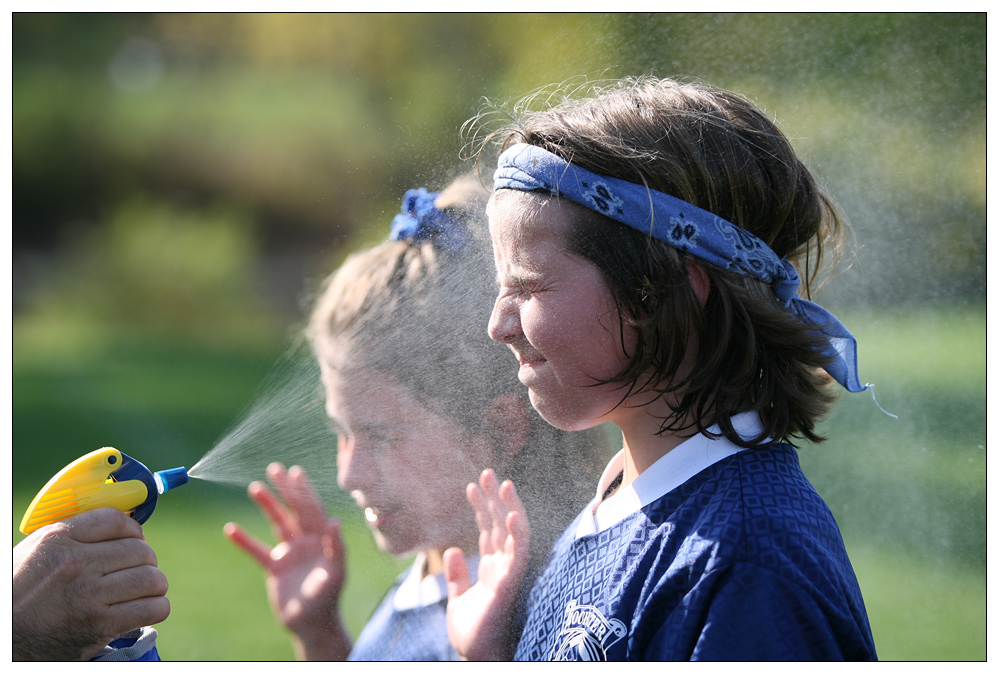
(685,227)
(419,220)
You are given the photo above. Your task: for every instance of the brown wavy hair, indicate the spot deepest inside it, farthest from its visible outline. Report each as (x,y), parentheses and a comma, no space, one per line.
(718,151)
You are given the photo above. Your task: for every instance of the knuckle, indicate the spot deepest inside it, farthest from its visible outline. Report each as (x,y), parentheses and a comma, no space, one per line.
(54,537)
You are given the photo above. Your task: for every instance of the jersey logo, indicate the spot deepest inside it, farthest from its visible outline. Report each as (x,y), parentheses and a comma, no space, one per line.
(586,635)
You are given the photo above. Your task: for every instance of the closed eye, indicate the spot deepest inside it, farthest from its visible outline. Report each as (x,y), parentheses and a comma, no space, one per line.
(521,285)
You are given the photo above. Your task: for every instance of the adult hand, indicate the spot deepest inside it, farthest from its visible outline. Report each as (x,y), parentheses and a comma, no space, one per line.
(481,617)
(305,569)
(81,582)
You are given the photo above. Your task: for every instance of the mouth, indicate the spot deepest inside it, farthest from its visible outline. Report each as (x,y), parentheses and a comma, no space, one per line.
(528,359)
(528,364)
(375,516)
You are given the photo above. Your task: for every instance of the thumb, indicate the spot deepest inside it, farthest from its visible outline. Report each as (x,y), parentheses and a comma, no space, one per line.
(456,573)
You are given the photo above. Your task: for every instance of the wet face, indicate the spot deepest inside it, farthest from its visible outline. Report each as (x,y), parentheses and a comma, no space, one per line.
(405,465)
(555,312)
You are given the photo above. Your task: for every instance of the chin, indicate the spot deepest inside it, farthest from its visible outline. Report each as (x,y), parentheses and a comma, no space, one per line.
(573,413)
(557,418)
(393,546)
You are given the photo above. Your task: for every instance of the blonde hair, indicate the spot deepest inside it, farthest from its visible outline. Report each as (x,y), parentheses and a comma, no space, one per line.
(420,315)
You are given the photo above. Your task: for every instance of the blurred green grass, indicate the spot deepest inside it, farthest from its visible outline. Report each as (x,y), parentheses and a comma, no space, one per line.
(908,493)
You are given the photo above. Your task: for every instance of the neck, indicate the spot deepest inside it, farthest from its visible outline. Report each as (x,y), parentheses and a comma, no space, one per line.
(433,562)
(433,558)
(643,450)
(641,440)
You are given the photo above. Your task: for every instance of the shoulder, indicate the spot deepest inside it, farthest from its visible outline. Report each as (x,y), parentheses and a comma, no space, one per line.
(758,486)
(755,506)
(756,539)
(783,512)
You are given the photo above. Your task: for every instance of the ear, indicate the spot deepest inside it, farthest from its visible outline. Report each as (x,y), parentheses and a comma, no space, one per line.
(509,422)
(699,280)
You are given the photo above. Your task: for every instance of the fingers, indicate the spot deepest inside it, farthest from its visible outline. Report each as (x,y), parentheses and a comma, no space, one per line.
(284,523)
(299,493)
(478,501)
(304,512)
(133,583)
(517,520)
(99,557)
(132,614)
(518,537)
(257,549)
(456,573)
(516,545)
(497,509)
(125,553)
(499,513)
(102,524)
(333,543)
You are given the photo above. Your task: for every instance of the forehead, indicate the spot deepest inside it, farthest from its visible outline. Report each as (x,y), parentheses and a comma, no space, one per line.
(518,218)
(365,397)
(363,392)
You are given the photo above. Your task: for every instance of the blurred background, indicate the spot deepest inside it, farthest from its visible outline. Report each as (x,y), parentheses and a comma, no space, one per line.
(181,182)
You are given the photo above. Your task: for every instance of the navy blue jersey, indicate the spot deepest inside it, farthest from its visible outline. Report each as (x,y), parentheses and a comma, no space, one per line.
(740,561)
(409,624)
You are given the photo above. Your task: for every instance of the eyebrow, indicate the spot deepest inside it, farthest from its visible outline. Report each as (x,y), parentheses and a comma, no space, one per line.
(519,277)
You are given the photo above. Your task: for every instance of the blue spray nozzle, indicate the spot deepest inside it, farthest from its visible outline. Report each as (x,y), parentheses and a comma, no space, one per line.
(168,479)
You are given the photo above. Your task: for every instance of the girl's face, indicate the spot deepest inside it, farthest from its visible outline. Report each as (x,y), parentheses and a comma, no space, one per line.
(405,465)
(555,312)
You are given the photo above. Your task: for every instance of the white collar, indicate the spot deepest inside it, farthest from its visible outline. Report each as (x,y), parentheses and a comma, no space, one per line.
(418,591)
(668,472)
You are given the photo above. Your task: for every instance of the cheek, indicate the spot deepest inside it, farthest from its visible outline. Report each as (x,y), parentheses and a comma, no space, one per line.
(619,336)
(624,339)
(435,469)
(604,334)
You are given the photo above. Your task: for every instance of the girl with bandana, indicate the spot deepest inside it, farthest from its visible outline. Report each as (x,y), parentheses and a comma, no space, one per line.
(655,247)
(422,401)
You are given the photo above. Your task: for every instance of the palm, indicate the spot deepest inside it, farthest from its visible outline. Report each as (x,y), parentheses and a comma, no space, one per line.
(305,569)
(303,583)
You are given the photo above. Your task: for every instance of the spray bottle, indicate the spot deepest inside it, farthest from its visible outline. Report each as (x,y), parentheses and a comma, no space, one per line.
(105,477)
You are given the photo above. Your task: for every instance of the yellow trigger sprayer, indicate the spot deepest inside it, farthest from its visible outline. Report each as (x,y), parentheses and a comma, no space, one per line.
(105,477)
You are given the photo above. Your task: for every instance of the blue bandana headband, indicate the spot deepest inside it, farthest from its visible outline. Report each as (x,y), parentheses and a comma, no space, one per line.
(419,220)
(685,227)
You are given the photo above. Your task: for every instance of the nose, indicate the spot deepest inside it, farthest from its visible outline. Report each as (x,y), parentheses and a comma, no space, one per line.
(354,467)
(505,322)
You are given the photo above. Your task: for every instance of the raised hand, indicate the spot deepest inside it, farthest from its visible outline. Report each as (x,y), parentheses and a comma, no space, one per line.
(305,569)
(481,617)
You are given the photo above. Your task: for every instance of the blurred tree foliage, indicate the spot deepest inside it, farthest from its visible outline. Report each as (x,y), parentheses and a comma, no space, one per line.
(264,146)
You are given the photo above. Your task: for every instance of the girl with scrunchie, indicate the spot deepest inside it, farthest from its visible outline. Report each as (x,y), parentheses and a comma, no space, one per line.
(422,402)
